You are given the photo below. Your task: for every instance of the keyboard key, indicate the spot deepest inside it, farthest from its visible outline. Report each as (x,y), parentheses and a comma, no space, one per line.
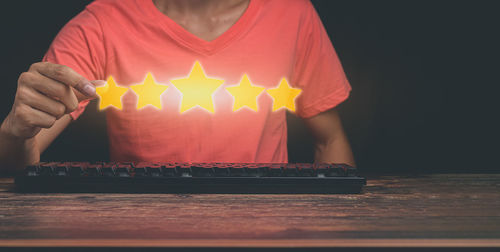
(322,169)
(31,170)
(348,170)
(263,169)
(154,170)
(256,170)
(306,170)
(77,169)
(202,170)
(140,171)
(222,170)
(94,170)
(123,170)
(184,169)
(291,170)
(61,170)
(276,170)
(237,170)
(169,170)
(47,169)
(335,171)
(109,170)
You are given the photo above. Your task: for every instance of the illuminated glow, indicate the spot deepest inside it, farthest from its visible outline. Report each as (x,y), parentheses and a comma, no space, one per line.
(110,94)
(149,92)
(197,89)
(245,94)
(284,96)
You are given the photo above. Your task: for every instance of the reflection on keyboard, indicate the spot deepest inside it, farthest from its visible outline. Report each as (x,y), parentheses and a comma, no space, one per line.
(190,177)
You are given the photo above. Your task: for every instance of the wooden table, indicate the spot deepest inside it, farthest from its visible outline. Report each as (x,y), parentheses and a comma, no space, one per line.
(444,210)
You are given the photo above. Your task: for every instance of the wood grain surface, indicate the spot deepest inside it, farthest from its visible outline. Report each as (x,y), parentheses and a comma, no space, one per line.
(426,210)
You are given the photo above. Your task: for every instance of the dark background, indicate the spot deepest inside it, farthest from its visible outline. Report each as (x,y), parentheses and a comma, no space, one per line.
(423,75)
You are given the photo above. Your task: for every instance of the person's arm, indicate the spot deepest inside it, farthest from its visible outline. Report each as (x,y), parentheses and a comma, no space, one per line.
(331,143)
(45,95)
(17,152)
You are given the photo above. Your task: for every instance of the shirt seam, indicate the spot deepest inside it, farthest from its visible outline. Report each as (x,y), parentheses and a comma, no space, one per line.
(339,96)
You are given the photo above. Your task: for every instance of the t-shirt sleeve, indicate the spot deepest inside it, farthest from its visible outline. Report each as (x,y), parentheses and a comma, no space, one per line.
(317,69)
(79,45)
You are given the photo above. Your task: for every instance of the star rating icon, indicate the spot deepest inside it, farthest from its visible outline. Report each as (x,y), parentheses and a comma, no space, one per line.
(284,96)
(245,94)
(197,90)
(110,94)
(149,92)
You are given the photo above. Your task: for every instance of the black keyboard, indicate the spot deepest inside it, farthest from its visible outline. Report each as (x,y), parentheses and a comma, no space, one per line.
(145,177)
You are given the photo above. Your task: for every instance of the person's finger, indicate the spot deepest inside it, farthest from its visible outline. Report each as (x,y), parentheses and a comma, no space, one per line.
(35,117)
(43,103)
(54,89)
(66,75)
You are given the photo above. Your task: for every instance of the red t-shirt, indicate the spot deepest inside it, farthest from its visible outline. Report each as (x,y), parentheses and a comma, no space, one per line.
(273,39)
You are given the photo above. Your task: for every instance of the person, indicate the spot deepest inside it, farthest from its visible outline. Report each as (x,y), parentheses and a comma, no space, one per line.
(266,40)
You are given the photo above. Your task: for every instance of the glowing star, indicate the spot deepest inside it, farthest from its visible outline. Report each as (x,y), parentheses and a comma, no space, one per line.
(110,94)
(284,96)
(197,89)
(149,92)
(245,94)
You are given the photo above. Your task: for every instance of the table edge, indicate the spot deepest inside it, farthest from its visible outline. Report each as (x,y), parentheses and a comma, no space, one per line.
(256,243)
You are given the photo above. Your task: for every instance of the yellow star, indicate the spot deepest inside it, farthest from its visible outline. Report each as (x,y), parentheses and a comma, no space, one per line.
(149,92)
(110,94)
(197,89)
(284,96)
(245,94)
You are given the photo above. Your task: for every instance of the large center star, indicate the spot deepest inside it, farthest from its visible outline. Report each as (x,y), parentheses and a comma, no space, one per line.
(197,89)
(245,94)
(110,94)
(149,92)
(284,96)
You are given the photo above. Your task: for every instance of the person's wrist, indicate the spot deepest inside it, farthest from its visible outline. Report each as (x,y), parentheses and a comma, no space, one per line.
(7,131)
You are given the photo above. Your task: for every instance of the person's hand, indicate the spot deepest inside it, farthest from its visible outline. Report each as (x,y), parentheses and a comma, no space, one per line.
(45,93)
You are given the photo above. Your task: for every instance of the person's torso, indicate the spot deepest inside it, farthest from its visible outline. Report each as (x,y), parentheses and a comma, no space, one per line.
(138,39)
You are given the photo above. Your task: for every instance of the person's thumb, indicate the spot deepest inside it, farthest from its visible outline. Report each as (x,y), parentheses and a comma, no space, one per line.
(96,83)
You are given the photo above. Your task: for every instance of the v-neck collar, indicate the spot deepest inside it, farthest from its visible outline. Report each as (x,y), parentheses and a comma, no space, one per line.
(191,41)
